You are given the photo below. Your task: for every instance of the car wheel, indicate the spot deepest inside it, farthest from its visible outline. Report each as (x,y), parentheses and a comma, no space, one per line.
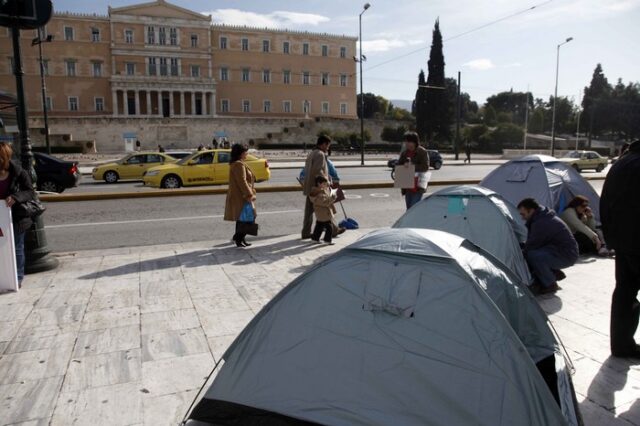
(171,182)
(111,176)
(393,174)
(49,186)
(600,168)
(437,165)
(576,167)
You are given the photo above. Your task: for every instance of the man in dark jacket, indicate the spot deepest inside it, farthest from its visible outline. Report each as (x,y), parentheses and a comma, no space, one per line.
(316,165)
(620,215)
(550,246)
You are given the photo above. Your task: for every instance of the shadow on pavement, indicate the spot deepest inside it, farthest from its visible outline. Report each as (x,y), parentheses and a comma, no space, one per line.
(550,303)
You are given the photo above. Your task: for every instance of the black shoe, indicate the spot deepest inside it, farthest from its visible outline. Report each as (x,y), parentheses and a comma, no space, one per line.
(633,353)
(246,244)
(239,244)
(306,237)
(550,289)
(559,274)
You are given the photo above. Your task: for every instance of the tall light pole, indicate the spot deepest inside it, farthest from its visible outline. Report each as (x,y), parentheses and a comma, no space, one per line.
(360,60)
(38,41)
(555,99)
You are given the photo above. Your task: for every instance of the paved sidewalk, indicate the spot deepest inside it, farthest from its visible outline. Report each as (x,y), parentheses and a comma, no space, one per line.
(127,336)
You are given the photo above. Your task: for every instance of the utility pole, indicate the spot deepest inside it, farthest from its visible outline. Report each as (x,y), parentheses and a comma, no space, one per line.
(362,57)
(555,98)
(526,120)
(458,113)
(39,40)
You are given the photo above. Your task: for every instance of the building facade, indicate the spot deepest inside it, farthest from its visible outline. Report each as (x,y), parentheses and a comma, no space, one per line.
(158,60)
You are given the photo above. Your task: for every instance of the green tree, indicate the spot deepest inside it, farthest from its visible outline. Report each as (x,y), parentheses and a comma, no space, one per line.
(372,105)
(438,114)
(420,107)
(490,118)
(512,103)
(536,121)
(595,117)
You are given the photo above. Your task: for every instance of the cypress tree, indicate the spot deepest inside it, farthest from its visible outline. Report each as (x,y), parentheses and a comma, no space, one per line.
(419,107)
(438,114)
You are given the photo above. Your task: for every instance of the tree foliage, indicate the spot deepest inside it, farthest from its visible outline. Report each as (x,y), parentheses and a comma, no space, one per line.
(438,117)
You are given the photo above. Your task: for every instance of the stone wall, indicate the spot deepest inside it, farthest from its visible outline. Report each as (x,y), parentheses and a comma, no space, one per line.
(188,133)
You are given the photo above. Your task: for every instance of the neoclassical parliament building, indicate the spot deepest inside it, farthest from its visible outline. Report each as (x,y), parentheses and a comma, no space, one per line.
(158,60)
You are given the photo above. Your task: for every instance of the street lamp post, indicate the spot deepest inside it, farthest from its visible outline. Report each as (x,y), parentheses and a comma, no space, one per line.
(362,57)
(38,41)
(555,98)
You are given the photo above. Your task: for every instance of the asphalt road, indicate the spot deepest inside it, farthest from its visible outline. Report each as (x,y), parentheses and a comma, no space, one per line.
(107,224)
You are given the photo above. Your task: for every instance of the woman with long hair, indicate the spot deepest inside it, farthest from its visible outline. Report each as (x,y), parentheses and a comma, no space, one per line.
(241,191)
(579,218)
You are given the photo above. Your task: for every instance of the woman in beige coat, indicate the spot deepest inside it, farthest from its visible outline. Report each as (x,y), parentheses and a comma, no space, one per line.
(241,190)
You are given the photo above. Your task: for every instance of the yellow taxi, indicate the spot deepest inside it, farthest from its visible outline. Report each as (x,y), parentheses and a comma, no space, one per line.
(209,167)
(131,167)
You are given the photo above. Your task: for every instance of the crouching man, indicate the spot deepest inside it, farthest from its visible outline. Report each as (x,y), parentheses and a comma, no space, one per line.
(550,246)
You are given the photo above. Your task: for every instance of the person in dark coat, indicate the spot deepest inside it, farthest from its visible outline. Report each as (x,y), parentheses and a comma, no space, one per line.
(315,165)
(620,216)
(418,156)
(550,246)
(15,189)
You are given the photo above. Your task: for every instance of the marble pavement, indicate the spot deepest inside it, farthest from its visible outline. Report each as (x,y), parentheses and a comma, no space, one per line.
(127,336)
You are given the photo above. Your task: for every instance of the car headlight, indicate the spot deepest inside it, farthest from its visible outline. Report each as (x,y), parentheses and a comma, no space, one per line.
(152,173)
(95,170)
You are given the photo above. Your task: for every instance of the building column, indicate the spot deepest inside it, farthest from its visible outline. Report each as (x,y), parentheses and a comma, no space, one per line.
(213,104)
(114,105)
(148,102)
(182,111)
(159,95)
(136,93)
(171,103)
(193,103)
(125,99)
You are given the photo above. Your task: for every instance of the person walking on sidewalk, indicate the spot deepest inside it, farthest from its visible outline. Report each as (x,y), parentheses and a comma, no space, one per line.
(15,190)
(323,200)
(241,191)
(620,215)
(550,246)
(418,156)
(315,165)
(467,151)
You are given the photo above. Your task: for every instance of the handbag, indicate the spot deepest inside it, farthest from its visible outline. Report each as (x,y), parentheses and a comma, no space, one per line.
(32,208)
(249,228)
(247,214)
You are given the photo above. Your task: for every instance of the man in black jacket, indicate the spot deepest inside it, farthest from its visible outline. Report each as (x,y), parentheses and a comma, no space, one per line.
(620,216)
(550,245)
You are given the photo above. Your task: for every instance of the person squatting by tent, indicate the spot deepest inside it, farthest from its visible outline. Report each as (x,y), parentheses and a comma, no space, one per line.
(550,246)
(580,219)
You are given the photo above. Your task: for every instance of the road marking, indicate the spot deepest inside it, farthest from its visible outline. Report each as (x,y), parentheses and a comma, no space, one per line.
(379,195)
(168,219)
(352,197)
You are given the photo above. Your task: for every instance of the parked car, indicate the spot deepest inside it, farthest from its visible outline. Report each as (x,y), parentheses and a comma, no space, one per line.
(179,154)
(435,162)
(131,167)
(54,174)
(208,167)
(581,160)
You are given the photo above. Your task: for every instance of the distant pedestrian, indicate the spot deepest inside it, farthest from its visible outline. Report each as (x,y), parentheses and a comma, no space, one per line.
(16,189)
(550,246)
(160,148)
(620,215)
(315,165)
(200,147)
(419,157)
(323,200)
(240,193)
(467,151)
(138,145)
(214,143)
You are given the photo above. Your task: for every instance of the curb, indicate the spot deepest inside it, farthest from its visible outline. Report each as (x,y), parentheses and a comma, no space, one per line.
(158,193)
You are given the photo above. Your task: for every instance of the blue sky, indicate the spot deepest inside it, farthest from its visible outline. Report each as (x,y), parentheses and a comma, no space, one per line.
(515,53)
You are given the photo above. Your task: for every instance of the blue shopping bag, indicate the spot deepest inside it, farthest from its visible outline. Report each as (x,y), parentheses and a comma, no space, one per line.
(247,214)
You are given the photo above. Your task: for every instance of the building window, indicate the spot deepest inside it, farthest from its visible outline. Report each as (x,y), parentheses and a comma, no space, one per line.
(246,74)
(48,103)
(195,70)
(223,43)
(73,103)
(68,33)
(99,104)
(343,109)
(164,70)
(246,106)
(286,77)
(305,48)
(325,78)
(45,66)
(130,68)
(245,44)
(95,35)
(224,105)
(285,47)
(306,107)
(325,50)
(97,69)
(286,106)
(128,36)
(306,79)
(266,106)
(343,52)
(343,80)
(266,76)
(266,46)
(153,69)
(325,107)
(173,36)
(194,40)
(71,68)
(224,74)
(175,67)
(162,36)
(151,35)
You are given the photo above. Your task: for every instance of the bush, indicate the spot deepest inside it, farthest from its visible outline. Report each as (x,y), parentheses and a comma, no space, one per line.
(393,134)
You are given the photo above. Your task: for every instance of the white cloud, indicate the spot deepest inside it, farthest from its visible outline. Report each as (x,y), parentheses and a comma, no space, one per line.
(277,19)
(481,64)
(513,65)
(384,45)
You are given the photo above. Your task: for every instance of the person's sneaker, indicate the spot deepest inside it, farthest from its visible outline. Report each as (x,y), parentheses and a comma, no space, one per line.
(550,289)
(604,252)
(330,243)
(315,241)
(559,274)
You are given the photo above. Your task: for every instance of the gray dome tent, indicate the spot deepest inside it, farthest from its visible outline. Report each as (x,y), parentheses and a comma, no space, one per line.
(478,214)
(547,179)
(406,327)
